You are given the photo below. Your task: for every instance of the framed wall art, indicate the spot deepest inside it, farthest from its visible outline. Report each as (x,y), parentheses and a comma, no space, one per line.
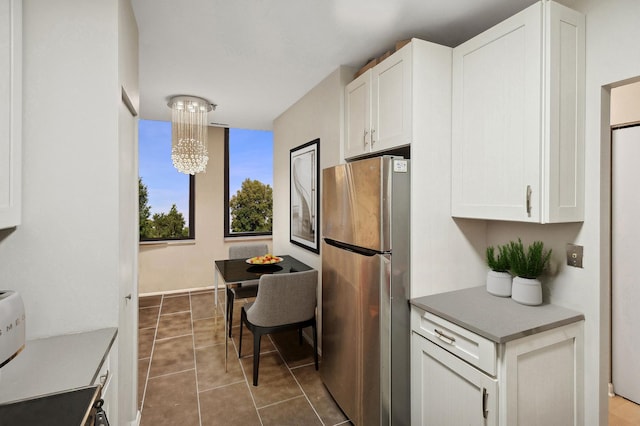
(304,166)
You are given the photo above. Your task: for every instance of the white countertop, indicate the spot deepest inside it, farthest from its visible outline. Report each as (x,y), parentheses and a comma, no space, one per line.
(499,319)
(55,364)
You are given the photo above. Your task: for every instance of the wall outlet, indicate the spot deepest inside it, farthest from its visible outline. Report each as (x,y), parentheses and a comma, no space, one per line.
(574,255)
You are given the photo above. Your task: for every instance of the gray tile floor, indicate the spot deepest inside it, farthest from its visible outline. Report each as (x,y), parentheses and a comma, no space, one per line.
(181,373)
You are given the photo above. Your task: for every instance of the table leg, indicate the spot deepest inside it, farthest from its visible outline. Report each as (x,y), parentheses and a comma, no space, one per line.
(226,329)
(215,285)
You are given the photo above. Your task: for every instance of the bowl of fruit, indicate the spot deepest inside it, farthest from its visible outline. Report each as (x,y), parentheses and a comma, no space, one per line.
(267,259)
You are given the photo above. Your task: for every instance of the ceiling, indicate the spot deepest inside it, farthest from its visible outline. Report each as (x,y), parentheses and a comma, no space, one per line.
(255,58)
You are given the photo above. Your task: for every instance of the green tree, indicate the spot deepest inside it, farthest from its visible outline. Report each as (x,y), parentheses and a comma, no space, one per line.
(169,225)
(144,210)
(161,225)
(252,207)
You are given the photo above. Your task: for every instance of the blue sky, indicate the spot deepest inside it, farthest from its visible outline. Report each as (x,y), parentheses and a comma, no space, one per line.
(251,157)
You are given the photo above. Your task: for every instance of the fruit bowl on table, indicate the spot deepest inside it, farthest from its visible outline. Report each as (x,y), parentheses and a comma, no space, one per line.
(267,259)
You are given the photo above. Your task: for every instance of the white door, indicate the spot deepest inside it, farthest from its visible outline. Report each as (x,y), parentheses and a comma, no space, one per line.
(128,274)
(625,281)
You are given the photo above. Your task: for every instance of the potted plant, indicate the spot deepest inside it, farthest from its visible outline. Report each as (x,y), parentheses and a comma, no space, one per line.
(498,276)
(527,266)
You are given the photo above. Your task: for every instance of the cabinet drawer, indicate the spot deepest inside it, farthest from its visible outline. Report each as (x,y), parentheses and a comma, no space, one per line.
(467,345)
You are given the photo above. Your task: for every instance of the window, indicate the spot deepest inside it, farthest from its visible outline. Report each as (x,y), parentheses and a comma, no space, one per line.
(248,167)
(167,197)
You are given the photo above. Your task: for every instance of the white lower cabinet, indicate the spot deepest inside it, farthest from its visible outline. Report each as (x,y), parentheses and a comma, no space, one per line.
(107,377)
(447,390)
(537,378)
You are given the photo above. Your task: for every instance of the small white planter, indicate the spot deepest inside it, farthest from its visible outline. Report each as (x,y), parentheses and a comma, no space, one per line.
(499,283)
(527,291)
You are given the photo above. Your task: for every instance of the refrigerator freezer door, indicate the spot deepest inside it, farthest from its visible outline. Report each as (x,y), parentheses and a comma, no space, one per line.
(356,203)
(351,330)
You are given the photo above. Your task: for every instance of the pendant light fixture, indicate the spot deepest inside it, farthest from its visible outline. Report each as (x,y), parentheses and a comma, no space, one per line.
(189,133)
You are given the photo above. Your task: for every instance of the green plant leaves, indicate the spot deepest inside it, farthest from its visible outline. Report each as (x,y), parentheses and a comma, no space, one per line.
(530,263)
(499,263)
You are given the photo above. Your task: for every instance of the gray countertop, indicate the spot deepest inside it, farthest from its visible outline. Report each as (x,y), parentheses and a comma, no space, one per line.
(499,319)
(55,364)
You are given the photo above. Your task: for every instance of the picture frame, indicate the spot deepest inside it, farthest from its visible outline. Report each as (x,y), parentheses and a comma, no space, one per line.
(304,196)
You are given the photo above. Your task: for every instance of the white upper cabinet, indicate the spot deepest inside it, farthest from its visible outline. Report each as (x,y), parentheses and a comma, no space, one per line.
(378,106)
(518,119)
(10,113)
(358,116)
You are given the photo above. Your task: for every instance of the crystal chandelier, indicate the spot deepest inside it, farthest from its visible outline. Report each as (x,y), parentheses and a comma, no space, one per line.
(189,133)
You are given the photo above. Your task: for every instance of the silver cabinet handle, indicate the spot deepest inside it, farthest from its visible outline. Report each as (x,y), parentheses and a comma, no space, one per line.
(529,200)
(104,377)
(366,132)
(447,339)
(485,399)
(372,139)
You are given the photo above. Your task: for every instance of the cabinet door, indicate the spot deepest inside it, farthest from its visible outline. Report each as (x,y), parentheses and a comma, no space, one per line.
(564,116)
(10,113)
(543,378)
(447,391)
(358,116)
(497,121)
(391,101)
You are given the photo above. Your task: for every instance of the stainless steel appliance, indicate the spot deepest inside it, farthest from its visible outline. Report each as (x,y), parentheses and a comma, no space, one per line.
(365,289)
(12,325)
(80,406)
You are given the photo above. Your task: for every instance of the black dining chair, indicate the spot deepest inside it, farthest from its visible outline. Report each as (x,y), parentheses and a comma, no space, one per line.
(284,302)
(242,291)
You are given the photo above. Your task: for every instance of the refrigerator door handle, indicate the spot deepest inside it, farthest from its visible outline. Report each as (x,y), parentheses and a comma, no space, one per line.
(349,247)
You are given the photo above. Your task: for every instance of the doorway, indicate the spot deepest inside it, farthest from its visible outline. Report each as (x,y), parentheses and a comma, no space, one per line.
(625,232)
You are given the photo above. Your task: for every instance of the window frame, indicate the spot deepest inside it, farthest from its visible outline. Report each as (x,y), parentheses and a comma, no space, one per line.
(190,220)
(226,215)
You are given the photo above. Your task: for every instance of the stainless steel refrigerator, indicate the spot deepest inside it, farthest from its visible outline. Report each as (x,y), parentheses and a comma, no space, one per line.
(365,289)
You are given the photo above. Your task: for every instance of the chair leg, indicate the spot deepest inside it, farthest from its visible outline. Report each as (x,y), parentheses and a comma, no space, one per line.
(230,299)
(256,355)
(242,314)
(315,344)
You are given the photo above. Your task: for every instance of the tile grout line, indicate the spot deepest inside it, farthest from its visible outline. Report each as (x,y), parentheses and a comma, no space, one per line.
(164,339)
(299,385)
(221,386)
(244,373)
(173,373)
(195,361)
(153,348)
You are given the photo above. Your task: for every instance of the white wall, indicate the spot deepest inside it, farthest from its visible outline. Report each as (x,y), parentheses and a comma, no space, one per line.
(318,114)
(63,259)
(625,104)
(612,56)
(446,254)
(66,258)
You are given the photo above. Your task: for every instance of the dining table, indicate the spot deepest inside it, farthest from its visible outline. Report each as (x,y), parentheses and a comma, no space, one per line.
(242,272)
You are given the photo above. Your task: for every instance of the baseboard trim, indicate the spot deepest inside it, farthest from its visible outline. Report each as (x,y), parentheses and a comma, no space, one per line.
(182,290)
